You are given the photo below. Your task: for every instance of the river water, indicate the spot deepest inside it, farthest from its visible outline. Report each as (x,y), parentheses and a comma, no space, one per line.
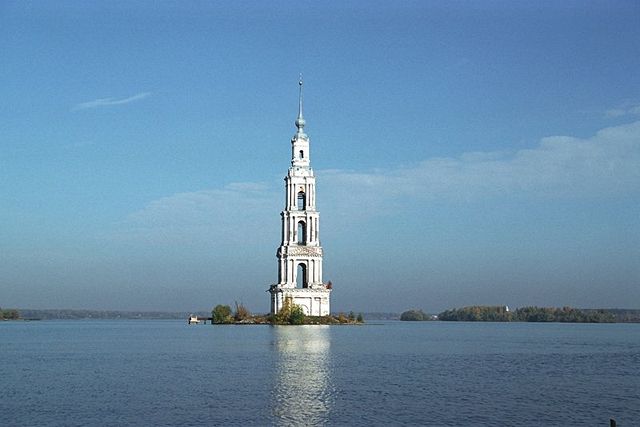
(159,373)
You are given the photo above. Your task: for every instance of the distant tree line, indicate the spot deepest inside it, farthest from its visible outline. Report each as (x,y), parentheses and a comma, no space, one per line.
(74,314)
(526,314)
(480,313)
(415,315)
(621,315)
(376,315)
(9,314)
(477,313)
(564,314)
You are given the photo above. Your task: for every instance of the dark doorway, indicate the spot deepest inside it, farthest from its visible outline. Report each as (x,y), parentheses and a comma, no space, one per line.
(301,278)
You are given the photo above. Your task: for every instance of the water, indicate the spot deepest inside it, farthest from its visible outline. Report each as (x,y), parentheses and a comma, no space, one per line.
(427,373)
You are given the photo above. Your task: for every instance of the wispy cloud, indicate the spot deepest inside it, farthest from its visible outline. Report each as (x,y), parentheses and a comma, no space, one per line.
(626,109)
(106,102)
(205,207)
(602,166)
(217,214)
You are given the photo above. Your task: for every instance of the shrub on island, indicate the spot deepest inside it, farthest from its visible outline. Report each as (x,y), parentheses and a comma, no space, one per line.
(221,314)
(289,314)
(241,313)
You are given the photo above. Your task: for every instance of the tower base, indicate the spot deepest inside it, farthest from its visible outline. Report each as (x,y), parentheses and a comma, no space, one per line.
(314,301)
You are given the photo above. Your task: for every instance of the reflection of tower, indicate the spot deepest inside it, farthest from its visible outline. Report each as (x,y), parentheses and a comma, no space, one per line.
(303,391)
(300,253)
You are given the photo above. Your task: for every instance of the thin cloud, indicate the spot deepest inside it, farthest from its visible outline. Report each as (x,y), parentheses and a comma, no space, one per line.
(627,109)
(206,207)
(106,102)
(222,214)
(604,165)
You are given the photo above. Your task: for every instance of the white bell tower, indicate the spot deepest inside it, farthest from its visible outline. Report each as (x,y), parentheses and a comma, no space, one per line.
(300,253)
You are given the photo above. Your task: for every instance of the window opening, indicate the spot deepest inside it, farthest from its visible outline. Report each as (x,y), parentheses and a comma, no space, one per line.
(302,233)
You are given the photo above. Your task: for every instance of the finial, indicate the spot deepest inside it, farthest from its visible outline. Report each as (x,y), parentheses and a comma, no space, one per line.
(300,120)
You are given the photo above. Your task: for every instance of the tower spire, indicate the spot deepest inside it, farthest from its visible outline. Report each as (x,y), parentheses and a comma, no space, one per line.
(300,122)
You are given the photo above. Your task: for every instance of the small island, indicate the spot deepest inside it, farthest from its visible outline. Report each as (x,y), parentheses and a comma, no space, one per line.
(290,314)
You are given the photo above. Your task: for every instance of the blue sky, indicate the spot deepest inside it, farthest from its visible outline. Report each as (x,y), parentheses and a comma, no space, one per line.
(466,152)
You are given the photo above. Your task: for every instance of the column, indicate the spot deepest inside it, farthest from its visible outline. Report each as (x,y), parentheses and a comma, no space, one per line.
(292,232)
(294,224)
(291,278)
(312,196)
(317,230)
(290,205)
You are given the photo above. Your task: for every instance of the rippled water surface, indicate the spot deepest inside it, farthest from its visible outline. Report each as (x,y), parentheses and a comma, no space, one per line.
(427,373)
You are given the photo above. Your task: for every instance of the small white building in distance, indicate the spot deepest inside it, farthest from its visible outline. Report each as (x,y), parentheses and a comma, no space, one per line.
(300,253)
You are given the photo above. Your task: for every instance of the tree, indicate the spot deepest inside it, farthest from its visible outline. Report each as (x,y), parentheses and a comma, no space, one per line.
(296,316)
(360,319)
(221,314)
(241,312)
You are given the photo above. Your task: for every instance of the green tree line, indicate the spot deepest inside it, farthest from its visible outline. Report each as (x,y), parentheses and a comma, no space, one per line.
(526,314)
(9,314)
(414,315)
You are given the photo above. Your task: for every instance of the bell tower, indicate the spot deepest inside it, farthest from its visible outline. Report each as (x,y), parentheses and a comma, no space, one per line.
(300,254)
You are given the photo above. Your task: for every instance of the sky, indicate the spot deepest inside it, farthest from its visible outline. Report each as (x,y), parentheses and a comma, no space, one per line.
(466,152)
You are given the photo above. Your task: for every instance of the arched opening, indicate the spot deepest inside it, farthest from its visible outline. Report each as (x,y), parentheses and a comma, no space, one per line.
(301,154)
(301,201)
(302,233)
(301,277)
